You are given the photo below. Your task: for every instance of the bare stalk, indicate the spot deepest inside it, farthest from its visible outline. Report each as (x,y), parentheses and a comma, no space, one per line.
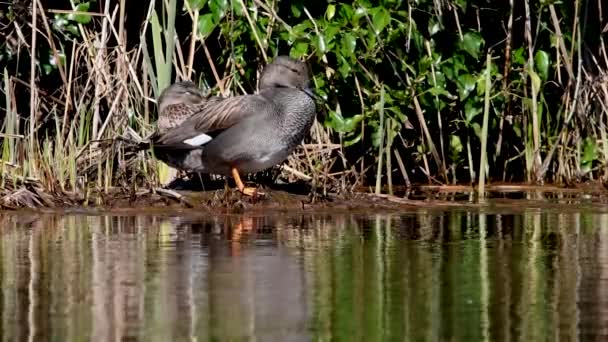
(534,91)
(445,175)
(33,88)
(381,148)
(505,80)
(99,65)
(484,132)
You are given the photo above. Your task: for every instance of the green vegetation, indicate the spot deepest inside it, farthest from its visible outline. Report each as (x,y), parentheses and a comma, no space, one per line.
(457,91)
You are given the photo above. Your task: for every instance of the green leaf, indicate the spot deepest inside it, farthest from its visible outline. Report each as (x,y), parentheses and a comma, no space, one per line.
(299,49)
(344,67)
(295,10)
(330,12)
(300,29)
(471,110)
(353,141)
(471,43)
(206,24)
(81,18)
(535,81)
(433,27)
(348,44)
(73,29)
(542,62)
(196,5)
(341,124)
(590,153)
(237,8)
(218,8)
(346,12)
(455,146)
(477,130)
(380,19)
(320,44)
(466,84)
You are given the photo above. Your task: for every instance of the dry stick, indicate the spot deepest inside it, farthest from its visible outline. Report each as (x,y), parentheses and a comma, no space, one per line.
(111,112)
(274,14)
(484,132)
(220,82)
(560,40)
(362,126)
(170,33)
(604,144)
(406,178)
(535,126)
(121,64)
(427,134)
(101,52)
(601,21)
(178,60)
(194,17)
(60,65)
(569,116)
(39,91)
(457,22)
(174,195)
(123,53)
(255,31)
(33,82)
(604,105)
(505,79)
(381,148)
(445,174)
(297,173)
(389,167)
(68,92)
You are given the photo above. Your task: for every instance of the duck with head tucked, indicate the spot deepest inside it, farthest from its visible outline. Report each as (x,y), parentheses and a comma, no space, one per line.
(236,135)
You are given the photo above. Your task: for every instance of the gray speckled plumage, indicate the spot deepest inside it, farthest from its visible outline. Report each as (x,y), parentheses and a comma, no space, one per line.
(249,132)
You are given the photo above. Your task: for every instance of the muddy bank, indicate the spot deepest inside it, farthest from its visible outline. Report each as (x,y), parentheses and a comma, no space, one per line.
(504,197)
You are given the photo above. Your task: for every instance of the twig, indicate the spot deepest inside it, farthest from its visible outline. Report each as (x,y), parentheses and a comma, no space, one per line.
(254,30)
(297,173)
(174,195)
(33,88)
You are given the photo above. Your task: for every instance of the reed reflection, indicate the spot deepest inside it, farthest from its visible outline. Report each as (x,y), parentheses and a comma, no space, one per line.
(424,275)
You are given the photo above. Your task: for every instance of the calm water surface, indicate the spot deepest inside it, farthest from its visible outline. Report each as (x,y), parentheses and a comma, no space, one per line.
(527,275)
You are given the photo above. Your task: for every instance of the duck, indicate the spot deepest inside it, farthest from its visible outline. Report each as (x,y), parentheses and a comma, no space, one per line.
(236,135)
(176,103)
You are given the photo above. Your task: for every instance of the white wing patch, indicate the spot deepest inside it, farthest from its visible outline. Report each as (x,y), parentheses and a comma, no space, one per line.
(198,140)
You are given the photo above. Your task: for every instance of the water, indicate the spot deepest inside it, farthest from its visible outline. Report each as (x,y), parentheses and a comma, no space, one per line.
(527,275)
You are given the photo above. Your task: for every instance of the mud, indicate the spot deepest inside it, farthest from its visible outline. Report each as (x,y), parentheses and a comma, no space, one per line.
(300,197)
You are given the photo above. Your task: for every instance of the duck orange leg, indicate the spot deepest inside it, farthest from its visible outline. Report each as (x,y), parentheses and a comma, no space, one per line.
(253,192)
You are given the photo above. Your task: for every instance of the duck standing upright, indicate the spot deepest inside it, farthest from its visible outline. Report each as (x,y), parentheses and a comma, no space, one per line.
(246,133)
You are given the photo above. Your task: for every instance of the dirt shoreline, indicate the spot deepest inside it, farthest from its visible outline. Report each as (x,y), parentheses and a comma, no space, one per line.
(227,201)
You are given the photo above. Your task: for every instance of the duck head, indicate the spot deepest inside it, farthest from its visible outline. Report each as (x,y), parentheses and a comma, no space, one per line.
(180,93)
(286,72)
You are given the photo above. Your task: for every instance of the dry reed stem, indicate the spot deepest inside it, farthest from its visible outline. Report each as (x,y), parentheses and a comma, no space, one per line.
(427,134)
(254,30)
(33,88)
(534,101)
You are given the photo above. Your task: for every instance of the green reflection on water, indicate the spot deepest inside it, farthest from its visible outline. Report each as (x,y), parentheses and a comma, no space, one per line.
(425,275)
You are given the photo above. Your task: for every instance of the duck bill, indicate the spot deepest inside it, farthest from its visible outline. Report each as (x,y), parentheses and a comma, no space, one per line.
(311,93)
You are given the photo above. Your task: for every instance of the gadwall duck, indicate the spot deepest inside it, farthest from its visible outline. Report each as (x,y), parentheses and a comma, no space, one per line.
(240,134)
(178,102)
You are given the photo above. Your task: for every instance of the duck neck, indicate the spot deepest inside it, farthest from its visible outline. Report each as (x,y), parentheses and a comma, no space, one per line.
(295,110)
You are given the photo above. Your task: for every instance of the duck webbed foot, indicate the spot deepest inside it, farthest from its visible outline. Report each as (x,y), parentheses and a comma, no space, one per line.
(247,191)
